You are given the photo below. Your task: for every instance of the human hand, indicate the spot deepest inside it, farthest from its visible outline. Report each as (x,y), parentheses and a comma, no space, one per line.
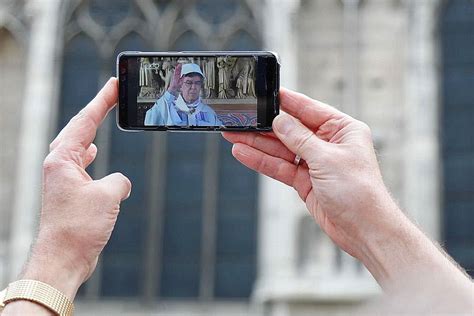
(176,80)
(78,213)
(342,186)
(339,180)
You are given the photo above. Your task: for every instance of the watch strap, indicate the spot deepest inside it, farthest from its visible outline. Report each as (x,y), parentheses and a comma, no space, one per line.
(41,293)
(2,297)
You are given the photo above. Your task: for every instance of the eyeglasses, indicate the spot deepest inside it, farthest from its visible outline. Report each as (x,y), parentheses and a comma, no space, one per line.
(190,83)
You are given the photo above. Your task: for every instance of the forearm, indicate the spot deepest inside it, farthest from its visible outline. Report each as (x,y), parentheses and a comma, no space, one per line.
(404,260)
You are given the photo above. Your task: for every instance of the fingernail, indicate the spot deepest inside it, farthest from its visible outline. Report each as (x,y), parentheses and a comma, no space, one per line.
(242,151)
(284,124)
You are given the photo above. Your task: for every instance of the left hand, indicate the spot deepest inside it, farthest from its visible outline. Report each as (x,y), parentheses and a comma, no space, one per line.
(78,213)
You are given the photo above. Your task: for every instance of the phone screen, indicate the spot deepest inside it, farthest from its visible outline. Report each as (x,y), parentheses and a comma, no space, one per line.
(198,91)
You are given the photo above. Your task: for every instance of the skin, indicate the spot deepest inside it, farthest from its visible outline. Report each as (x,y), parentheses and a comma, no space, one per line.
(342,187)
(339,180)
(78,213)
(190,93)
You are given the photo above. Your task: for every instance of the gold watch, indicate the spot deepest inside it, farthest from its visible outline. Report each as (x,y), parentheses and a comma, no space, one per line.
(38,292)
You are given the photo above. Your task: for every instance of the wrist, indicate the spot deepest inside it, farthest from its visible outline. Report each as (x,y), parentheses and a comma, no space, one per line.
(385,250)
(19,296)
(173,91)
(382,237)
(55,267)
(400,257)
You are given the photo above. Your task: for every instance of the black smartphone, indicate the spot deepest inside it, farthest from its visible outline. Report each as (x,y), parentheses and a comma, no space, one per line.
(198,91)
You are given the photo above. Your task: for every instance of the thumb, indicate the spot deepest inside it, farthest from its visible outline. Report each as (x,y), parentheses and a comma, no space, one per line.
(296,137)
(117,185)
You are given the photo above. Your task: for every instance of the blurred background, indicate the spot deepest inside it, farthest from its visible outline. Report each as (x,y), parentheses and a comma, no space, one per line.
(200,233)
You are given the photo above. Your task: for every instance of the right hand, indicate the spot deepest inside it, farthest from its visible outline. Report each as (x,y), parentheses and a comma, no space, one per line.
(339,180)
(176,80)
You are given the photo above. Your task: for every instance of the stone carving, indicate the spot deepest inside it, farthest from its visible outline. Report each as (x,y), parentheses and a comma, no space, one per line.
(223,77)
(245,82)
(208,65)
(145,73)
(227,77)
(166,73)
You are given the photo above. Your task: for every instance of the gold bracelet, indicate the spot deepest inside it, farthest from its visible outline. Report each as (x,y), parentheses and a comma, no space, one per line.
(38,292)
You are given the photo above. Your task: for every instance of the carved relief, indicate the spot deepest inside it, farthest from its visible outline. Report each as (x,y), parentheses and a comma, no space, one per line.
(227,77)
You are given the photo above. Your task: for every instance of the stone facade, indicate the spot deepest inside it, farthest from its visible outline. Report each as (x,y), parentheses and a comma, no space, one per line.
(366,57)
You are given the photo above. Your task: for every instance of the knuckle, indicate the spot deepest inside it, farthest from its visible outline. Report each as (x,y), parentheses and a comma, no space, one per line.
(302,141)
(364,127)
(126,181)
(83,118)
(51,163)
(76,117)
(52,146)
(106,193)
(366,131)
(262,165)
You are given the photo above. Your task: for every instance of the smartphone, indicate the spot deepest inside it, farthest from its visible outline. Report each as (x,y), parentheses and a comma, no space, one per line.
(198,91)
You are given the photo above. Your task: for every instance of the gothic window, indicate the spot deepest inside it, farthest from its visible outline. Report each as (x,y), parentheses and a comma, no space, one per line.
(189,228)
(457,119)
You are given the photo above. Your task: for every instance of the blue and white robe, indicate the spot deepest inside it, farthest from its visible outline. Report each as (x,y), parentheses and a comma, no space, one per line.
(170,110)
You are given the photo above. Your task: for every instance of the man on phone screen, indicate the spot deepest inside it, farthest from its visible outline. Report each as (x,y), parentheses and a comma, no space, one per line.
(181,104)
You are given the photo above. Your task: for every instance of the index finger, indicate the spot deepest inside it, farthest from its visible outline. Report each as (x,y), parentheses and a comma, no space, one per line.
(82,128)
(310,112)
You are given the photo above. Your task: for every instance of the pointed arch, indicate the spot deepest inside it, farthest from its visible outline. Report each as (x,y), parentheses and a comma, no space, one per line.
(187,40)
(242,39)
(167,264)
(15,27)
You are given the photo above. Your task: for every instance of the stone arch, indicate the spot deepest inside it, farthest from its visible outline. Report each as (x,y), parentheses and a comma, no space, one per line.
(187,36)
(15,27)
(164,24)
(242,38)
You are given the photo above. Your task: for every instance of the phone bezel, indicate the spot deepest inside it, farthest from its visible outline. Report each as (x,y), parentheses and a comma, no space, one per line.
(271,98)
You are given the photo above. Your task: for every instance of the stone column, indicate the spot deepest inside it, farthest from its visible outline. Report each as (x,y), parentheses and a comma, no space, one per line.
(421,152)
(350,95)
(35,126)
(279,205)
(350,102)
(280,36)
(13,40)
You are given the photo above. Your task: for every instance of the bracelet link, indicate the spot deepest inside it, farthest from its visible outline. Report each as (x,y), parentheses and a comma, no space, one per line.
(38,292)
(2,298)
